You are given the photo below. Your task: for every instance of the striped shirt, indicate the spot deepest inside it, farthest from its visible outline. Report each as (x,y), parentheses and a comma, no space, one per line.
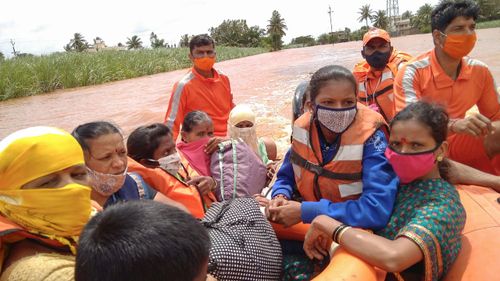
(424,79)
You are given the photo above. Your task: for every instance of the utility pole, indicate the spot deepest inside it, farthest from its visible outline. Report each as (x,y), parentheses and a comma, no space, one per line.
(392,11)
(330,12)
(14,52)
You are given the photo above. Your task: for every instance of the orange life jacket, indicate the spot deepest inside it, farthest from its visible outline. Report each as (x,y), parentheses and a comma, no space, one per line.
(383,94)
(340,179)
(11,232)
(175,188)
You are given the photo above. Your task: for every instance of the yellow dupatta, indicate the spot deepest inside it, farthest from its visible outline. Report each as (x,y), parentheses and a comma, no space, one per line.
(56,213)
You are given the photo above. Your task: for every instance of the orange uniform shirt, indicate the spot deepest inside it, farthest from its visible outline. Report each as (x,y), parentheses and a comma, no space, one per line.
(195,92)
(424,79)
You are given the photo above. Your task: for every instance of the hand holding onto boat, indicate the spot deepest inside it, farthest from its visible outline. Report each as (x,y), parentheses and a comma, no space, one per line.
(317,240)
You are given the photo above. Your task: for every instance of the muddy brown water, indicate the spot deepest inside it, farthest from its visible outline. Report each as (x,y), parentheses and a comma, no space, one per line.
(265,81)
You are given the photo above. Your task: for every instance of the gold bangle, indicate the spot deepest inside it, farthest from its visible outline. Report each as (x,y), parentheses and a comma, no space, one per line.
(339,236)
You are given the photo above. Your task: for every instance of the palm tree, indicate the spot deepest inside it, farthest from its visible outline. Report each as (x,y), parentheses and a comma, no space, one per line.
(422,20)
(155,42)
(365,14)
(2,57)
(276,30)
(78,43)
(134,42)
(380,20)
(407,15)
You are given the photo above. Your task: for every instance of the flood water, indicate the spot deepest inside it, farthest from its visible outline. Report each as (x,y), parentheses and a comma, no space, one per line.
(265,81)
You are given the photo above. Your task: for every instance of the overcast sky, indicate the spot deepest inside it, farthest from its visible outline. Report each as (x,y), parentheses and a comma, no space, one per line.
(44,26)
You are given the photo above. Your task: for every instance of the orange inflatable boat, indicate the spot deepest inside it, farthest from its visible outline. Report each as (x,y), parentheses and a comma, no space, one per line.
(478,259)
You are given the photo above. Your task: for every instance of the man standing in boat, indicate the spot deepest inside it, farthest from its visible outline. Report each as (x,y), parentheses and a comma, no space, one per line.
(202,88)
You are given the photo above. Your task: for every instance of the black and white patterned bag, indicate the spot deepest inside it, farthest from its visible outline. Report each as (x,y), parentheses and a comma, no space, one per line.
(244,245)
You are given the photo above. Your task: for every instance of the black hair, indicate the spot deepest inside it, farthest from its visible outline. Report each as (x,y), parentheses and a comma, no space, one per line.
(194,118)
(435,118)
(143,141)
(141,240)
(199,41)
(446,11)
(93,130)
(327,73)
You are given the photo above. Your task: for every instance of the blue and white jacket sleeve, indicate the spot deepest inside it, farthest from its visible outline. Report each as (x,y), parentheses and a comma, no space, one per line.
(373,209)
(285,180)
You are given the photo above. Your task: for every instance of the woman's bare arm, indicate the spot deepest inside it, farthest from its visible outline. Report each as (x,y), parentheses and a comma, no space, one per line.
(389,255)
(159,197)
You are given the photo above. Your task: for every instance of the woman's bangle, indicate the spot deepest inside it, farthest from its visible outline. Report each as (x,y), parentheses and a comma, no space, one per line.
(341,233)
(337,231)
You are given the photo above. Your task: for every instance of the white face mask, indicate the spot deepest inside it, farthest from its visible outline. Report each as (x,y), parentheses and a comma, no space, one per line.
(248,135)
(106,184)
(336,120)
(170,163)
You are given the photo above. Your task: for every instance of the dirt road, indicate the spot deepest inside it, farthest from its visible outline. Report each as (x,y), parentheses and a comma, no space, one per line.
(266,81)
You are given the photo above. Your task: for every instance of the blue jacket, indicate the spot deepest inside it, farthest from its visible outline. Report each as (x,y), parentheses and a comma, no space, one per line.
(372,210)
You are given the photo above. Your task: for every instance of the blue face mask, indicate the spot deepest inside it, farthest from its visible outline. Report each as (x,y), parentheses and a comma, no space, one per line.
(336,120)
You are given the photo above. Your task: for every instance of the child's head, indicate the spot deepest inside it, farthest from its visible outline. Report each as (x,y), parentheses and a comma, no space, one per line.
(150,142)
(142,240)
(242,124)
(333,91)
(333,86)
(419,131)
(242,116)
(196,125)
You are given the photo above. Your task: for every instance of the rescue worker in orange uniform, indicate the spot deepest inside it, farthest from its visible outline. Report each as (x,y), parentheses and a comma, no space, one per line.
(375,74)
(446,76)
(202,88)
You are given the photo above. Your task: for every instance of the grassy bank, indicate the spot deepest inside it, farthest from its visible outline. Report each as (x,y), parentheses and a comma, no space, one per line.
(488,24)
(26,76)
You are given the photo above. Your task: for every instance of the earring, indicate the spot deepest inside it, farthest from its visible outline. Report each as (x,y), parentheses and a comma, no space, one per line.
(440,158)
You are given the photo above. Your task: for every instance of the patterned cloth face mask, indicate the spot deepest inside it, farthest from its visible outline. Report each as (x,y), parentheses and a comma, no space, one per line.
(170,163)
(106,184)
(336,120)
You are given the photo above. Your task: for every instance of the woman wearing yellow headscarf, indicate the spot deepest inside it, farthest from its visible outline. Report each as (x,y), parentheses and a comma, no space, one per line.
(44,203)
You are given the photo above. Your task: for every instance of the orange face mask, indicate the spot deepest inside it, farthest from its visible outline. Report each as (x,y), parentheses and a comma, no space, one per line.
(205,63)
(459,45)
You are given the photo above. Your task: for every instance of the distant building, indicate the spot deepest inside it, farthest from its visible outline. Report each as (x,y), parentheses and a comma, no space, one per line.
(342,35)
(403,27)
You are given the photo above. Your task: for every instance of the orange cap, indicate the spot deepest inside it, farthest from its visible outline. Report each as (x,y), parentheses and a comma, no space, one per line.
(376,33)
